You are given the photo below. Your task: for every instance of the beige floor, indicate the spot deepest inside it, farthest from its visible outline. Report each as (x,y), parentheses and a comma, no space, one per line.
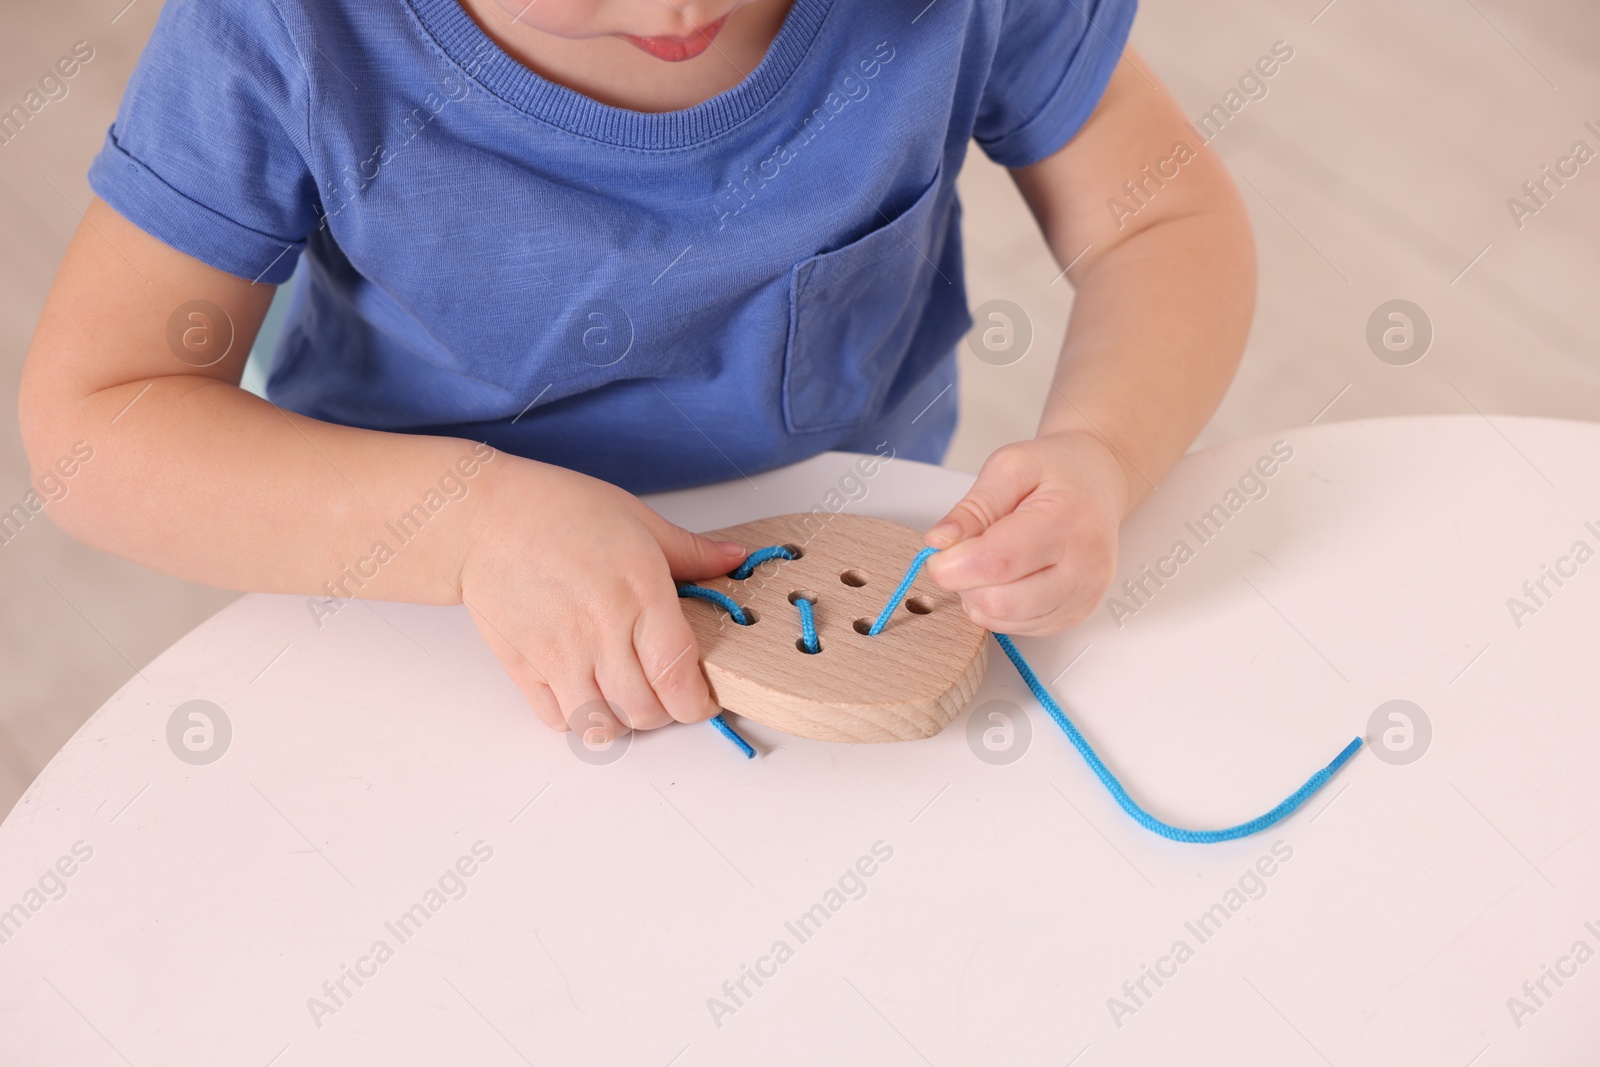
(1377,167)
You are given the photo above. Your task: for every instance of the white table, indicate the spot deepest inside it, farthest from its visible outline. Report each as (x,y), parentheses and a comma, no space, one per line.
(368,757)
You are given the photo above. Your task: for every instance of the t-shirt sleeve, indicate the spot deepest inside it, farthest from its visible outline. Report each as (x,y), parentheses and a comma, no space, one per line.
(1051,66)
(208,152)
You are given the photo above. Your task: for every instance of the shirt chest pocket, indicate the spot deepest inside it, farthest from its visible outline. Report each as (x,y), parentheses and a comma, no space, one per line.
(853,313)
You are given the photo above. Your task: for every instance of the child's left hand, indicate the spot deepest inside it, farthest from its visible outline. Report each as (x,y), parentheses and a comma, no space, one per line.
(1032,547)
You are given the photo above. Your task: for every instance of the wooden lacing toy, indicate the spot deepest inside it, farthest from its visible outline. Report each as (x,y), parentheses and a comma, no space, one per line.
(856,673)
(906,682)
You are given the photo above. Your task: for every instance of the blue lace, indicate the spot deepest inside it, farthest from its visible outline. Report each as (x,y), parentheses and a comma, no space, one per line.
(1079,742)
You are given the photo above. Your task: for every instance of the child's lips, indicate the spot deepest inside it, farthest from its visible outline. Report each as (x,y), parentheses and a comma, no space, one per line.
(677,49)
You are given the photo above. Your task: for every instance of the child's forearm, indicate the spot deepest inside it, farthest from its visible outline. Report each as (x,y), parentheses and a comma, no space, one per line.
(191,475)
(1157,329)
(198,478)
(1158,325)
(1164,294)
(571,580)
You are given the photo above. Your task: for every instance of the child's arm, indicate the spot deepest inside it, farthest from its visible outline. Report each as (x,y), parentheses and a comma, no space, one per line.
(570,579)
(1163,307)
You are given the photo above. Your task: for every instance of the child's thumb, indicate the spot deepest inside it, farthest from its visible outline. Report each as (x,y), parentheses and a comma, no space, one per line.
(691,557)
(1001,485)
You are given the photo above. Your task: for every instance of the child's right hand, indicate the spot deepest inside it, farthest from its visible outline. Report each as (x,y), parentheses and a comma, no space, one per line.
(570,579)
(572,582)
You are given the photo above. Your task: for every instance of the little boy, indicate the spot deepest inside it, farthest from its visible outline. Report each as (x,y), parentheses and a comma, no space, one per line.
(554,253)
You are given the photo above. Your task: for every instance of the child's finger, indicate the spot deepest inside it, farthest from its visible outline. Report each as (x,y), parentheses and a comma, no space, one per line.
(544,705)
(522,673)
(1044,626)
(1015,546)
(670,658)
(691,557)
(1020,603)
(1045,602)
(585,710)
(623,681)
(1006,478)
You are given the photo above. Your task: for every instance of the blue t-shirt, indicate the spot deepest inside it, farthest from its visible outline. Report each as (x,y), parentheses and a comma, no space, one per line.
(659,300)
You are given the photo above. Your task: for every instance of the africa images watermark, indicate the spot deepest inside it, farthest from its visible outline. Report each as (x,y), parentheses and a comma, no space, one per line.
(49,887)
(451,885)
(1536,993)
(52,87)
(740,192)
(199,732)
(1539,191)
(1153,177)
(52,484)
(850,886)
(850,488)
(1252,485)
(1399,332)
(451,487)
(998,732)
(353,180)
(1250,886)
(1399,732)
(1537,591)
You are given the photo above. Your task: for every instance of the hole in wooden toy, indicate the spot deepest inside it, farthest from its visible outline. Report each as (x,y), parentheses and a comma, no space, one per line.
(802,594)
(794,550)
(800,643)
(864,626)
(919,605)
(751,617)
(854,578)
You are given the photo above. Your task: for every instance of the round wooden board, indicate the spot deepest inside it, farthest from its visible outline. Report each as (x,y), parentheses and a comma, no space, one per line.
(906,683)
